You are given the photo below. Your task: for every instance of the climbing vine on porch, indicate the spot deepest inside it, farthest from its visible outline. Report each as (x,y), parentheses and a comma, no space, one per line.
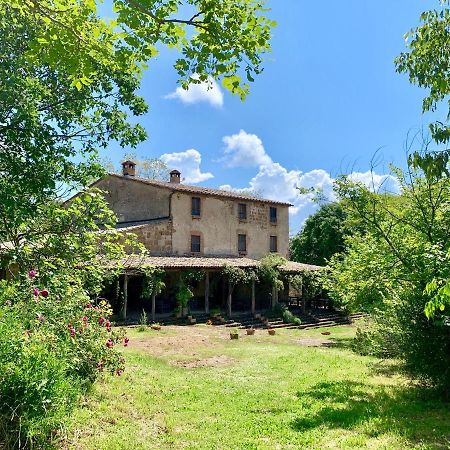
(153,281)
(185,288)
(269,270)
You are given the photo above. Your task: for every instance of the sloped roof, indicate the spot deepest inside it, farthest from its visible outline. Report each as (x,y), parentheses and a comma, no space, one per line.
(179,187)
(136,262)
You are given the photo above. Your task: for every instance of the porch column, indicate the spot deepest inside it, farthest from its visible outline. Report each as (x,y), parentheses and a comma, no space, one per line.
(274,296)
(230,293)
(207,292)
(125,296)
(153,307)
(253,298)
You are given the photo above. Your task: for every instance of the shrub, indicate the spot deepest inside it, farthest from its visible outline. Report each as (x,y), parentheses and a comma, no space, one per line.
(54,342)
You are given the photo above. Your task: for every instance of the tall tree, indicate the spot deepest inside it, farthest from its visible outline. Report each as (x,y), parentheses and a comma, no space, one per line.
(69,81)
(322,236)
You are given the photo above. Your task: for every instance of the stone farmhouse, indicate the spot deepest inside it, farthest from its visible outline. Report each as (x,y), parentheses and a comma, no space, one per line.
(196,228)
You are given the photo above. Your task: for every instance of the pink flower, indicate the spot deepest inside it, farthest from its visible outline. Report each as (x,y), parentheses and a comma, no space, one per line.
(109,343)
(84,319)
(72,332)
(101,321)
(125,342)
(36,292)
(119,372)
(44,293)
(32,273)
(108,325)
(88,306)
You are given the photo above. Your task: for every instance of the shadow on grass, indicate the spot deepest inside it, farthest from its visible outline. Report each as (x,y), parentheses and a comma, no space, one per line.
(346,343)
(415,414)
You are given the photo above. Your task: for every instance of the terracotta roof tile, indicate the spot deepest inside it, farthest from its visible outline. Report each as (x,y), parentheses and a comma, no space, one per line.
(179,187)
(135,262)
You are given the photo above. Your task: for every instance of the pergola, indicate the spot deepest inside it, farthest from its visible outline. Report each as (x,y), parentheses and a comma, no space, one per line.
(134,265)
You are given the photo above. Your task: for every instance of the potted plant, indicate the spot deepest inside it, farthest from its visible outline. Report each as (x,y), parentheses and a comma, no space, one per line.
(250,331)
(155,326)
(271,331)
(234,334)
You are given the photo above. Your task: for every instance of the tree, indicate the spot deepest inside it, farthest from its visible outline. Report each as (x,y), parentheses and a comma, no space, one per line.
(321,237)
(426,62)
(69,80)
(393,269)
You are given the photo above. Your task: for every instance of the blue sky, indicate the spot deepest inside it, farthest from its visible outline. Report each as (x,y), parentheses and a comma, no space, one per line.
(328,99)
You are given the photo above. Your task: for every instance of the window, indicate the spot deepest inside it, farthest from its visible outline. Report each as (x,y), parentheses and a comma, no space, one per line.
(242,243)
(273,244)
(242,210)
(195,206)
(195,244)
(273,215)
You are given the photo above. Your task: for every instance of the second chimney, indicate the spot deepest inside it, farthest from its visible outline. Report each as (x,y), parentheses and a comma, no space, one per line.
(128,168)
(175,176)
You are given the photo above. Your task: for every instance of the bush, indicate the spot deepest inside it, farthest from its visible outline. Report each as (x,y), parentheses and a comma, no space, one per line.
(54,342)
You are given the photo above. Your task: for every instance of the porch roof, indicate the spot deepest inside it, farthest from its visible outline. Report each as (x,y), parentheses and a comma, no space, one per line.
(136,262)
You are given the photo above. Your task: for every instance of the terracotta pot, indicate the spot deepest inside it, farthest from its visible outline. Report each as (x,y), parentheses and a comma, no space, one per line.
(250,331)
(271,331)
(156,327)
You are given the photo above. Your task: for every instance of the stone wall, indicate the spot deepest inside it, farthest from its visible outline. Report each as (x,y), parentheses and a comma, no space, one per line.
(156,237)
(219,226)
(133,200)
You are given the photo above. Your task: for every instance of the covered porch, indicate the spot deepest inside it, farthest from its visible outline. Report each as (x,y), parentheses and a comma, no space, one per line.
(212,291)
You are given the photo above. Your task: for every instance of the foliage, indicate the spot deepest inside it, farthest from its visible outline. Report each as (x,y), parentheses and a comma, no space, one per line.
(392,271)
(185,288)
(288,316)
(143,321)
(153,281)
(151,168)
(236,275)
(54,342)
(269,270)
(321,237)
(426,62)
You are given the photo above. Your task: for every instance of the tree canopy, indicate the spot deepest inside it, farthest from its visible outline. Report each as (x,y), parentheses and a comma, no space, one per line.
(69,81)
(321,237)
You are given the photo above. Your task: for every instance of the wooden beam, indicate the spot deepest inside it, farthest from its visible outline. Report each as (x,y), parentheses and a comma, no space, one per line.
(253,298)
(125,297)
(229,298)
(153,307)
(274,296)
(207,292)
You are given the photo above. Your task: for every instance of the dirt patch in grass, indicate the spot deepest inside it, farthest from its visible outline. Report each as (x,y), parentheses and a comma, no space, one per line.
(213,361)
(189,341)
(313,342)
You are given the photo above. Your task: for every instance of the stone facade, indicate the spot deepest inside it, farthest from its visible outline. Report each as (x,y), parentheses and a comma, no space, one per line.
(160,214)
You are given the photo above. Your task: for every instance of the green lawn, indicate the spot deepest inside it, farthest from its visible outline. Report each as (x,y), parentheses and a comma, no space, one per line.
(193,387)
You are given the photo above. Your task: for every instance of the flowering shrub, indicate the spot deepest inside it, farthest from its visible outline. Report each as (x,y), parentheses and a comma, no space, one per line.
(54,342)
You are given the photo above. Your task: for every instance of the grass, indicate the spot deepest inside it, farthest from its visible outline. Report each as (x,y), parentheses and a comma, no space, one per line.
(194,388)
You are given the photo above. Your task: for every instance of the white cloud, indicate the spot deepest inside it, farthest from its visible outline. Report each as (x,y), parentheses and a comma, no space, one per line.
(244,150)
(375,182)
(188,163)
(208,91)
(273,181)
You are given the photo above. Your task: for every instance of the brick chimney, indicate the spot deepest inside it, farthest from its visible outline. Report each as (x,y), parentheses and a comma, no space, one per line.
(128,168)
(175,176)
